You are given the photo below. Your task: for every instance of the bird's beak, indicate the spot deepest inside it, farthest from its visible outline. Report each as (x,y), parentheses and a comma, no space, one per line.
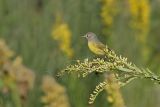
(83,36)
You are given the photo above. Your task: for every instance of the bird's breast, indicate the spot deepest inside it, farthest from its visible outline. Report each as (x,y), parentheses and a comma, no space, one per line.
(95,49)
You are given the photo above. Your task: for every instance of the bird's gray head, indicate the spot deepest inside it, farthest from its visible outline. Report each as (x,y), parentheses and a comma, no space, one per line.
(90,36)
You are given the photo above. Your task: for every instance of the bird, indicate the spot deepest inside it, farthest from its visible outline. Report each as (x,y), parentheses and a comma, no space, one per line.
(94,44)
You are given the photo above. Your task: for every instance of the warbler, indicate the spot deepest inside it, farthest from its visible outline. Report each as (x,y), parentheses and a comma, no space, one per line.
(94,44)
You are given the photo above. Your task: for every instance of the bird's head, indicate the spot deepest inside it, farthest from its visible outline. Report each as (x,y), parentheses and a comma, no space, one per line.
(90,36)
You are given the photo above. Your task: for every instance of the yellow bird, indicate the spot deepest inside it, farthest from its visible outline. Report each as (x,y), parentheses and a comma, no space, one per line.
(94,44)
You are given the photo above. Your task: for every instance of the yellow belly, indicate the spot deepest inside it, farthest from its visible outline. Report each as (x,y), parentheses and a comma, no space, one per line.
(95,49)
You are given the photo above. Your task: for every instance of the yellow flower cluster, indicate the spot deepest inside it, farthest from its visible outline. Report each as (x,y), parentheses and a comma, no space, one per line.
(14,75)
(62,34)
(140,13)
(108,12)
(5,52)
(24,77)
(55,95)
(113,89)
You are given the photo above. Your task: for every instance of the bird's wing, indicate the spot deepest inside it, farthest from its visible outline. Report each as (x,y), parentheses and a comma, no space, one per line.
(100,45)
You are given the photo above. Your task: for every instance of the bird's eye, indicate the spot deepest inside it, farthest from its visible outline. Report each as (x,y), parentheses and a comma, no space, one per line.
(86,36)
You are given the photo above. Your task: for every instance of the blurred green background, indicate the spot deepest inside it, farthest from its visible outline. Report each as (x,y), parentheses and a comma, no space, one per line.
(36,29)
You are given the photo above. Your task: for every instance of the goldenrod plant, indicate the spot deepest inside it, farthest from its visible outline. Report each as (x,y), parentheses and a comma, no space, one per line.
(112,89)
(15,79)
(140,11)
(5,52)
(24,78)
(54,94)
(140,14)
(62,33)
(123,70)
(114,96)
(108,12)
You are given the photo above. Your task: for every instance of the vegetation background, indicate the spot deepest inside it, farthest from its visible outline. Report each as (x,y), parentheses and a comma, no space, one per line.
(46,34)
